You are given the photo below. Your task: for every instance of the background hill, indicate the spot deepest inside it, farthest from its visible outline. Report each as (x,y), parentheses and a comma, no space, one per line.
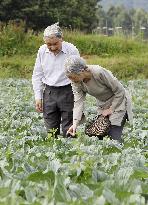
(127,3)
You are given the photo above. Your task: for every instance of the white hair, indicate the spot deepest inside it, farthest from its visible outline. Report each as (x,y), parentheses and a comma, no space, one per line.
(54,29)
(74,64)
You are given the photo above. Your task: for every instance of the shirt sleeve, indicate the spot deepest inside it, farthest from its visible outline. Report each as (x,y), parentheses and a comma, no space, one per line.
(117,88)
(79,98)
(37,78)
(73,50)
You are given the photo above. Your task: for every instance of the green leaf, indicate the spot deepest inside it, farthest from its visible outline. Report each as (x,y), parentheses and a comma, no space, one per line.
(30,194)
(60,193)
(100,201)
(4,192)
(78,191)
(140,173)
(110,197)
(39,176)
(98,176)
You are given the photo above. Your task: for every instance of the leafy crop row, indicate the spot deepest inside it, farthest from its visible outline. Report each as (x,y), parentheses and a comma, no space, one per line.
(38,170)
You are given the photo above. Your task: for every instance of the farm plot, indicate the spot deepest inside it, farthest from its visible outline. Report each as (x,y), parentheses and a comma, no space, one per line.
(38,170)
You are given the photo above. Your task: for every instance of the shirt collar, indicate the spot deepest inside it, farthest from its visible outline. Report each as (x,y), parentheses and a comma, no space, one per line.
(63,49)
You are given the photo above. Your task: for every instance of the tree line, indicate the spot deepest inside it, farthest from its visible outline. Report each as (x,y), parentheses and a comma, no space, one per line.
(84,15)
(38,14)
(121,20)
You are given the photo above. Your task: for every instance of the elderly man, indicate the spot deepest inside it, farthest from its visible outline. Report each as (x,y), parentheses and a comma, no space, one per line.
(53,92)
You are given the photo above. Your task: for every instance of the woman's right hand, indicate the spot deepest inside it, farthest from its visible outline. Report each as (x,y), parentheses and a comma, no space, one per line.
(39,105)
(107,112)
(72,130)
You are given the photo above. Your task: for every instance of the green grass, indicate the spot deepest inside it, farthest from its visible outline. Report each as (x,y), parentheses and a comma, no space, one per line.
(103,45)
(14,40)
(17,66)
(125,57)
(123,66)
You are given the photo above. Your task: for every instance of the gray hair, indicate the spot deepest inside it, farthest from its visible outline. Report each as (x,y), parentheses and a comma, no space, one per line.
(75,64)
(54,29)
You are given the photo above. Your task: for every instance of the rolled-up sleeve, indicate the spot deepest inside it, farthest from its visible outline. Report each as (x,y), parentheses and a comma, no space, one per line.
(79,99)
(37,78)
(117,88)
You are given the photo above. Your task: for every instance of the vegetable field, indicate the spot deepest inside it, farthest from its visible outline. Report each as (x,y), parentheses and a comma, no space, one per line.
(38,170)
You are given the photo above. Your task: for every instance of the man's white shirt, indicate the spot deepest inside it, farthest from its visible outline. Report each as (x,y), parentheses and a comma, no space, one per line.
(49,68)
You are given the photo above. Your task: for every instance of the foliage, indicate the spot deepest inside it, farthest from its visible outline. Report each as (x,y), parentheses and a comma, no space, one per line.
(13,40)
(129,4)
(38,14)
(118,20)
(127,58)
(124,66)
(35,169)
(84,15)
(103,45)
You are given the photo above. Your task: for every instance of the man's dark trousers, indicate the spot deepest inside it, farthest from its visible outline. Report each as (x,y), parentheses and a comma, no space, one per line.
(58,105)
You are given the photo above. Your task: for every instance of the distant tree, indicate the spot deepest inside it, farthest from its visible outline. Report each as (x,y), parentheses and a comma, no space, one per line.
(112,14)
(101,16)
(141,22)
(12,9)
(125,21)
(131,21)
(79,14)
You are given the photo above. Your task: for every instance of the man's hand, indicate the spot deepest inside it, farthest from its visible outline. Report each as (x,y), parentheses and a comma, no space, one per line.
(39,105)
(72,130)
(107,112)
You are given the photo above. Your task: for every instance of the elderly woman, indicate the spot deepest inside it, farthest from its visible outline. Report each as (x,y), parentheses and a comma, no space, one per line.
(112,98)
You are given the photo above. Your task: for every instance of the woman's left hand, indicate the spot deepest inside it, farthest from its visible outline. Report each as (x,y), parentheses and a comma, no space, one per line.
(107,112)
